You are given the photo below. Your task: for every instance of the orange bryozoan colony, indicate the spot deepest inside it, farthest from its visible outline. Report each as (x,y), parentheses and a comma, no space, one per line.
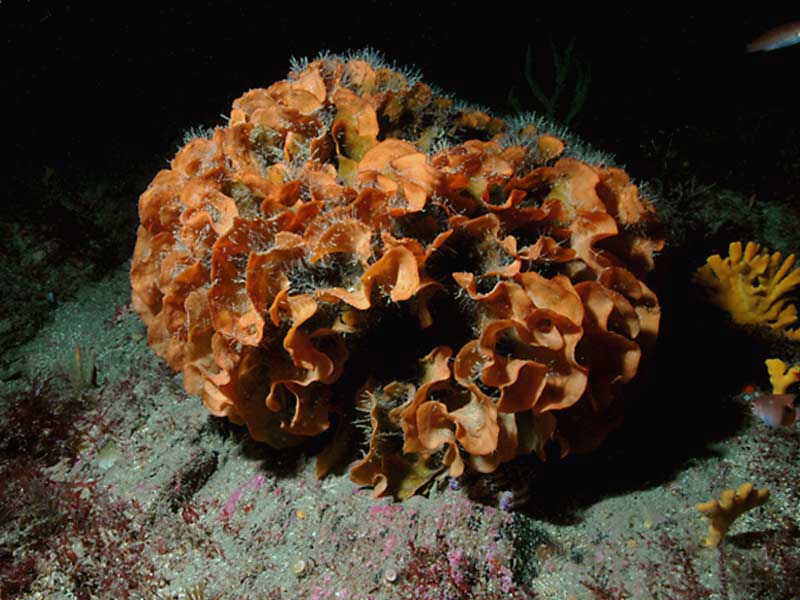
(356,252)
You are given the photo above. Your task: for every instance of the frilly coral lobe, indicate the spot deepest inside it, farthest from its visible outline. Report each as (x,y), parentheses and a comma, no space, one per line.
(355,247)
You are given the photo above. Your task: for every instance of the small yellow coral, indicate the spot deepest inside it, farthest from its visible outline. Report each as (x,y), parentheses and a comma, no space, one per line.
(723,512)
(752,286)
(780,375)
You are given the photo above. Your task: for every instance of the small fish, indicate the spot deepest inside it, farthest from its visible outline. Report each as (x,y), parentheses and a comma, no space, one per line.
(781,36)
(777,410)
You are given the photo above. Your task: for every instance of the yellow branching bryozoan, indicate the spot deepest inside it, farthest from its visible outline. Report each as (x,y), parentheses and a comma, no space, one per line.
(753,285)
(723,512)
(781,376)
(355,253)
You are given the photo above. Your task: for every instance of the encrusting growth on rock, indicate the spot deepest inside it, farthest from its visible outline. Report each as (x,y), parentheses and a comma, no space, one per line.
(355,251)
(753,286)
(724,512)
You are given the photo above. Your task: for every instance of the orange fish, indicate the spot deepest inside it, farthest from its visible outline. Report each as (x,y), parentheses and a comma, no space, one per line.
(781,36)
(777,410)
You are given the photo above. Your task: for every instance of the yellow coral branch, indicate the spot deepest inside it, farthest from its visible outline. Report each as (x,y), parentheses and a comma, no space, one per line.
(723,512)
(752,286)
(780,375)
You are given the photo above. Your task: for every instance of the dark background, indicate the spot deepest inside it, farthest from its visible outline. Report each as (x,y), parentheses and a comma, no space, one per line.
(118,85)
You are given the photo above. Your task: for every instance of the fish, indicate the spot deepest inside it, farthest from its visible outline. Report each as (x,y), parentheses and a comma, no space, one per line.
(777,410)
(781,36)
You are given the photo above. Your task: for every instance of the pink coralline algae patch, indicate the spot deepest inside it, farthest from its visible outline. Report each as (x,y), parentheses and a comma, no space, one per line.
(386,515)
(229,508)
(389,546)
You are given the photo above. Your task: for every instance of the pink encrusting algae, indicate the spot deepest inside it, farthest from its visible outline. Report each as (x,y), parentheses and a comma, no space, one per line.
(229,508)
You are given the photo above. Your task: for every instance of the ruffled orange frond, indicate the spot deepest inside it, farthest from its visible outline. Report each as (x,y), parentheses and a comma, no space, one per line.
(341,246)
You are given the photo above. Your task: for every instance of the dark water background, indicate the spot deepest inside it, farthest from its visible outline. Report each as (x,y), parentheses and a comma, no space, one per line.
(117,85)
